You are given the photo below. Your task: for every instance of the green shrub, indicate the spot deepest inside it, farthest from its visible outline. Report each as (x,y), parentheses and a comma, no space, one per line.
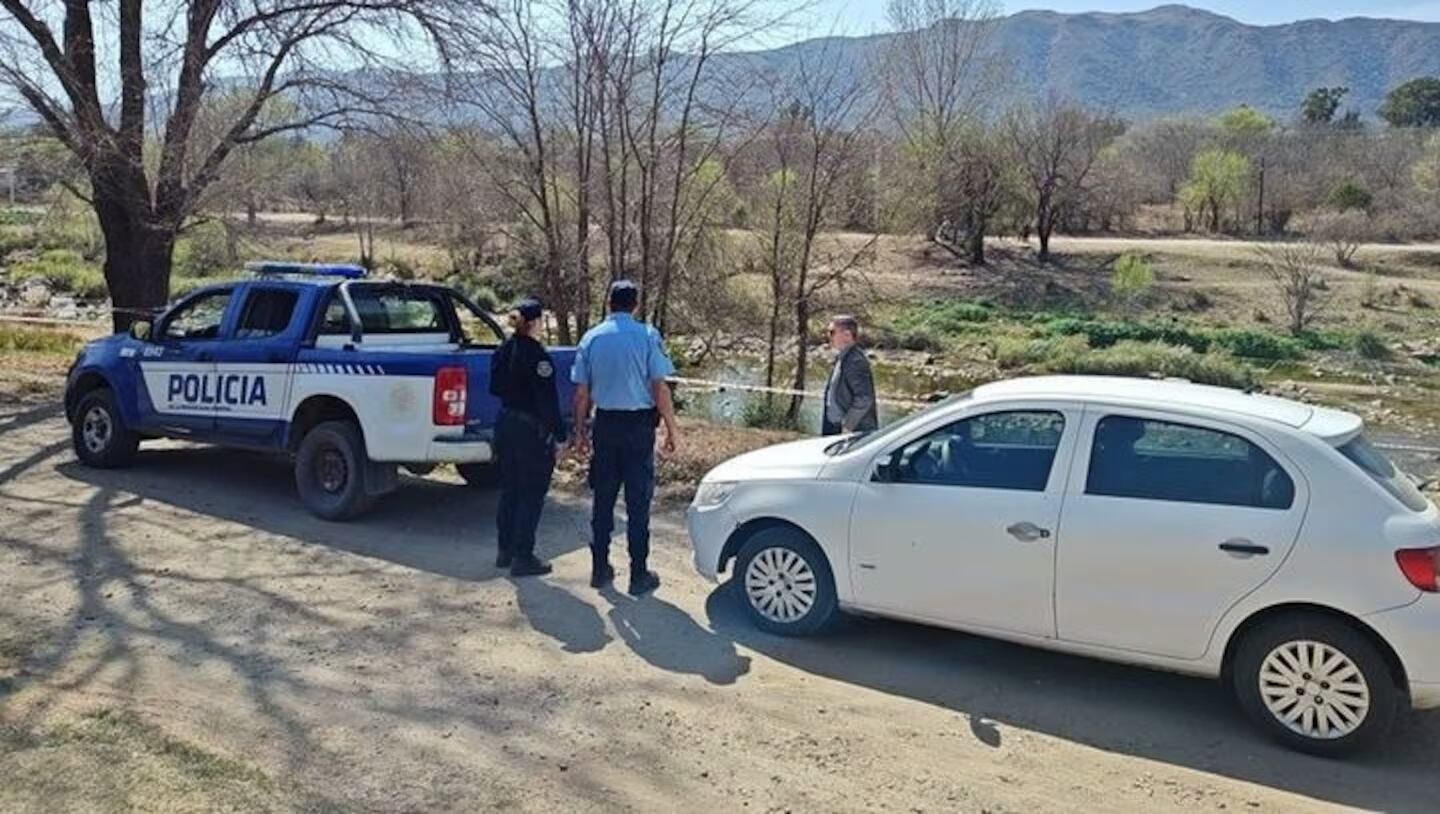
(1323,340)
(1370,345)
(1349,195)
(18,217)
(1131,279)
(921,338)
(1104,333)
(946,316)
(64,270)
(1015,352)
(397,267)
(1256,344)
(767,413)
(1146,359)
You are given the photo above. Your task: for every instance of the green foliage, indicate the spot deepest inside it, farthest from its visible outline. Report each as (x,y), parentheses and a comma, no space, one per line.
(1255,344)
(1371,346)
(65,270)
(767,413)
(1142,359)
(1322,104)
(1246,342)
(18,217)
(1413,104)
(37,340)
(397,267)
(70,223)
(1218,181)
(1350,195)
(1016,352)
(948,317)
(205,250)
(1132,278)
(1245,122)
(1426,172)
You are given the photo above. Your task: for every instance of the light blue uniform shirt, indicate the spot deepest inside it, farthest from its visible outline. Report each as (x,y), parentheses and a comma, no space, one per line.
(619,359)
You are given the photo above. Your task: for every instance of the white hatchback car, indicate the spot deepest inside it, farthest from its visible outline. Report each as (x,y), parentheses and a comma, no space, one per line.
(1176,526)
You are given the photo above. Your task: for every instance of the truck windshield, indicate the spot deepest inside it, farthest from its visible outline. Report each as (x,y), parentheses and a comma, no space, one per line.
(1363,454)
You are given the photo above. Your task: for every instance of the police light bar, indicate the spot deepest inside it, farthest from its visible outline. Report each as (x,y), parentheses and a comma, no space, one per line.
(276,268)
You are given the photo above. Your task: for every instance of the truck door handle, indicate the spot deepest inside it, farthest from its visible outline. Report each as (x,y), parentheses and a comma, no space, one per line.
(1244,548)
(1027,532)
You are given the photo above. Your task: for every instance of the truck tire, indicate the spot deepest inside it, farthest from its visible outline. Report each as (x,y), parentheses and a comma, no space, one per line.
(98,434)
(330,471)
(479,476)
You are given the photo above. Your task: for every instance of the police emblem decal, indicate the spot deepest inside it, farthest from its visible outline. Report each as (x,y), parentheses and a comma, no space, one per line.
(545,369)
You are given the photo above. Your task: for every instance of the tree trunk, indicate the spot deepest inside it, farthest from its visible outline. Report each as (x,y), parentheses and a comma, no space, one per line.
(977,244)
(802,357)
(138,257)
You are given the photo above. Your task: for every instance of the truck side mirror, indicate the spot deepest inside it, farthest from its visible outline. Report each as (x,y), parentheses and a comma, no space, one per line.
(141,330)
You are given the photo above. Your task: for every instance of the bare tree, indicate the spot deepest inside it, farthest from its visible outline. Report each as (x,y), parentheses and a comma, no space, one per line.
(167,55)
(1056,145)
(1296,272)
(939,74)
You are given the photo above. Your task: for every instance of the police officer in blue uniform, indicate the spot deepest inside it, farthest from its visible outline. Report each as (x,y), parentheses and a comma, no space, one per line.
(620,369)
(522,375)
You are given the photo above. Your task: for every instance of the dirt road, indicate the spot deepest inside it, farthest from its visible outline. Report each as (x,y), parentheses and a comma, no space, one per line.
(384,665)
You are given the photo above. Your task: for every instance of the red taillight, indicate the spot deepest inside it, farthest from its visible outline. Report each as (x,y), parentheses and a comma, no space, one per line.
(1421,566)
(450,385)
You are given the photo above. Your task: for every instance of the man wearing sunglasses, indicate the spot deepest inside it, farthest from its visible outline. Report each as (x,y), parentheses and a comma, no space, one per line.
(850,391)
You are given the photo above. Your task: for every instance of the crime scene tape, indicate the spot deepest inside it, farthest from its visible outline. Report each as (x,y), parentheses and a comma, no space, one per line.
(714,386)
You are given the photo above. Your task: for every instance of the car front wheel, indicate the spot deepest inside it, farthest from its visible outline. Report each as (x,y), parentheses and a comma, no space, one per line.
(1316,684)
(98,435)
(786,583)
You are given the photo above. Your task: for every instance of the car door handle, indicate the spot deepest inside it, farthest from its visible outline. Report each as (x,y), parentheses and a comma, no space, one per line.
(1244,548)
(1027,532)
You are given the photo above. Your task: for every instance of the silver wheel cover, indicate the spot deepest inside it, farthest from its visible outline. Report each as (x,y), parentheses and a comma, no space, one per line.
(1314,690)
(780,585)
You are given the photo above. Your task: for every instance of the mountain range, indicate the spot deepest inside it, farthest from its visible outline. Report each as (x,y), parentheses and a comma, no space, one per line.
(1179,60)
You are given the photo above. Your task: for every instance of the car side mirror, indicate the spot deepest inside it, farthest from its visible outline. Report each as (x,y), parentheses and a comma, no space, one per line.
(141,330)
(887,469)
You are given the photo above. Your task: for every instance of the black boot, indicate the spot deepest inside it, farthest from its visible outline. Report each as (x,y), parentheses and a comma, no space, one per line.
(601,574)
(503,559)
(643,582)
(529,566)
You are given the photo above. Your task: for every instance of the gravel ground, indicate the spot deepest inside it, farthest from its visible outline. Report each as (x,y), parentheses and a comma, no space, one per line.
(384,665)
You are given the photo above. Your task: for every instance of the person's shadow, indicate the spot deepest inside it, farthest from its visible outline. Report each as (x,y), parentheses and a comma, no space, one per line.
(669,639)
(561,615)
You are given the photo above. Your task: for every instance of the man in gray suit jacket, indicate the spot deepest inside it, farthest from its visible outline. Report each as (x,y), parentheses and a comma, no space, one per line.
(850,392)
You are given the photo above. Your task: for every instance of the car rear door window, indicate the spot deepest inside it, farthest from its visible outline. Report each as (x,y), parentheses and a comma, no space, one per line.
(1005,450)
(267,313)
(1161,460)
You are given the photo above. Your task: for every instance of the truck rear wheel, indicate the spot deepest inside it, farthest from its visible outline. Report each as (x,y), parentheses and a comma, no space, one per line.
(330,471)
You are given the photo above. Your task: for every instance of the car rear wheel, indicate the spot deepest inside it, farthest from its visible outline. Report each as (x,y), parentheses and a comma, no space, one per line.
(786,583)
(1316,684)
(98,435)
(330,471)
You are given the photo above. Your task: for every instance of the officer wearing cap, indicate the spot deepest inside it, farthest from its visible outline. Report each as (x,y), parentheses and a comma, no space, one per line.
(522,375)
(620,369)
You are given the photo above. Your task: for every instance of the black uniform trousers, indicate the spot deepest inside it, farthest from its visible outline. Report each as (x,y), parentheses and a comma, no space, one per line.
(623,454)
(527,462)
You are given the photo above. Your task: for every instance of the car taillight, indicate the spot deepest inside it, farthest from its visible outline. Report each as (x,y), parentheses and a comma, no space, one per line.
(450,386)
(1421,566)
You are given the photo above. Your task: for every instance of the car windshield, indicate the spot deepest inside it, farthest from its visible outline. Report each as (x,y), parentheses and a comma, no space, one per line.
(860,440)
(1363,454)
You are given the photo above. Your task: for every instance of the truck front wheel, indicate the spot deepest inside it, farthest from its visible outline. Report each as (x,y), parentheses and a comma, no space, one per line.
(330,471)
(99,435)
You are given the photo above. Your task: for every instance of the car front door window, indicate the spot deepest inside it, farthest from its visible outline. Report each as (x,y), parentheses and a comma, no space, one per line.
(199,318)
(1006,450)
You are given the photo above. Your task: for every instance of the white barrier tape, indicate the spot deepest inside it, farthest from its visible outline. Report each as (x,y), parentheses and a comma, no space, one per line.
(714,386)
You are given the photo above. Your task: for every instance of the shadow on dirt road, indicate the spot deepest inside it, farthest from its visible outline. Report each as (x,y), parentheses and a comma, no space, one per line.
(439,527)
(1173,719)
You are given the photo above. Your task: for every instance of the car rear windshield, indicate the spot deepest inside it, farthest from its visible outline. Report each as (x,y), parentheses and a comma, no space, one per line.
(387,310)
(1364,455)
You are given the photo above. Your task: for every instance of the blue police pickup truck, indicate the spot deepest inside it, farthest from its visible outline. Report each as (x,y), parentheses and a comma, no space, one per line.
(353,377)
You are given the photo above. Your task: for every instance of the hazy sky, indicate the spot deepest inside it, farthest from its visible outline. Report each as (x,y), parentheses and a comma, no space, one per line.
(867,16)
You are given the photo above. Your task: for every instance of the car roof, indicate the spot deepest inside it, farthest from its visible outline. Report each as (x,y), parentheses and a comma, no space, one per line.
(1174,394)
